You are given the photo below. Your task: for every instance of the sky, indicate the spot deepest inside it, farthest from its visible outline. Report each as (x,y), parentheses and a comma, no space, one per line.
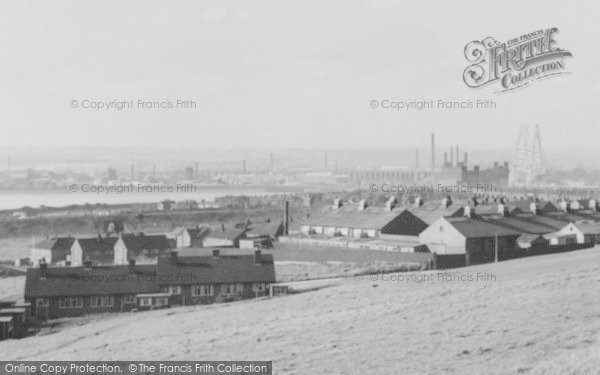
(279,73)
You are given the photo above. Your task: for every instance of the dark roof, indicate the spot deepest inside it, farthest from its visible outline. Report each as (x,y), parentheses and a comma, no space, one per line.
(56,244)
(522,224)
(472,228)
(81,281)
(97,244)
(221,269)
(430,213)
(545,220)
(227,234)
(146,242)
(351,217)
(197,233)
(266,229)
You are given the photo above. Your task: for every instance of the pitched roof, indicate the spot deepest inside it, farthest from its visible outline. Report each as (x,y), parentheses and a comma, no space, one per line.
(97,244)
(587,227)
(197,233)
(429,214)
(56,244)
(221,269)
(522,224)
(546,221)
(81,281)
(351,217)
(472,228)
(146,242)
(227,234)
(265,229)
(528,238)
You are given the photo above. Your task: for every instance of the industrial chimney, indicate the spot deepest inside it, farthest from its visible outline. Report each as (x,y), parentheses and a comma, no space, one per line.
(286,218)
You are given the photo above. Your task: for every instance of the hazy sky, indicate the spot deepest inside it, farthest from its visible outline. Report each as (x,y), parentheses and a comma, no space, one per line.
(271,74)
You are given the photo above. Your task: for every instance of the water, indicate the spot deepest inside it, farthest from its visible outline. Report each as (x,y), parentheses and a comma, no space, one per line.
(14,200)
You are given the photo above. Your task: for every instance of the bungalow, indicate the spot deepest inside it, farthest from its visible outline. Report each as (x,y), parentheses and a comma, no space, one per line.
(476,239)
(224,238)
(53,250)
(56,292)
(190,237)
(216,278)
(261,235)
(579,232)
(143,249)
(98,250)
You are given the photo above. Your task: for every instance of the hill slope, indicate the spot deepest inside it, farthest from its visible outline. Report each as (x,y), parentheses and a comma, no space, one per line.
(540,315)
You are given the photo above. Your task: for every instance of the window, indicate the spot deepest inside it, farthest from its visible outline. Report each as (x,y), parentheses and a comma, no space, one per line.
(42,302)
(232,288)
(162,301)
(176,290)
(101,301)
(70,303)
(146,301)
(202,290)
(129,299)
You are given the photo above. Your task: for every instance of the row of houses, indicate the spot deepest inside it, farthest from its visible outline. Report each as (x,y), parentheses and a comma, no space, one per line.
(476,231)
(57,291)
(147,248)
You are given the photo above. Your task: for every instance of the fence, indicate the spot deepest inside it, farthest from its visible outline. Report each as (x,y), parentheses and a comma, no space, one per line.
(305,253)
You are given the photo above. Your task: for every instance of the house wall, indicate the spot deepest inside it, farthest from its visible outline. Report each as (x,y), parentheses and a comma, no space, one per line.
(37,255)
(186,298)
(217,242)
(482,250)
(442,238)
(183,239)
(53,311)
(571,230)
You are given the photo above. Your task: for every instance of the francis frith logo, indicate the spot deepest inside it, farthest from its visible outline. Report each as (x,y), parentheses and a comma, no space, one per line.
(515,63)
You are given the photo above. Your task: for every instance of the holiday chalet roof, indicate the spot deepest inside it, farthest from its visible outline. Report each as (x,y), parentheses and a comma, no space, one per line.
(471,228)
(82,281)
(173,270)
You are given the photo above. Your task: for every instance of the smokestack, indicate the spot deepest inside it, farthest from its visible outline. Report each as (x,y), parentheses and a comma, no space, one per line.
(286,218)
(457,159)
(433,152)
(451,156)
(465,160)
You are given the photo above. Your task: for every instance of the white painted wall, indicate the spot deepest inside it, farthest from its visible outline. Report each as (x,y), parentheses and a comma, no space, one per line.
(442,238)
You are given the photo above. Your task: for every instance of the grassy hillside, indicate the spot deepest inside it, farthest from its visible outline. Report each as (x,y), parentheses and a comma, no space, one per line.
(541,315)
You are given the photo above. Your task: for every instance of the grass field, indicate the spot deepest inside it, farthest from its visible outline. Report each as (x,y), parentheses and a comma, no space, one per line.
(538,315)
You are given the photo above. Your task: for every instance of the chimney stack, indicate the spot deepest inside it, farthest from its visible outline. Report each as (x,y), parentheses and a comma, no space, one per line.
(174,256)
(451,156)
(286,219)
(466,159)
(467,211)
(43,268)
(417,158)
(131,265)
(362,205)
(337,203)
(257,257)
